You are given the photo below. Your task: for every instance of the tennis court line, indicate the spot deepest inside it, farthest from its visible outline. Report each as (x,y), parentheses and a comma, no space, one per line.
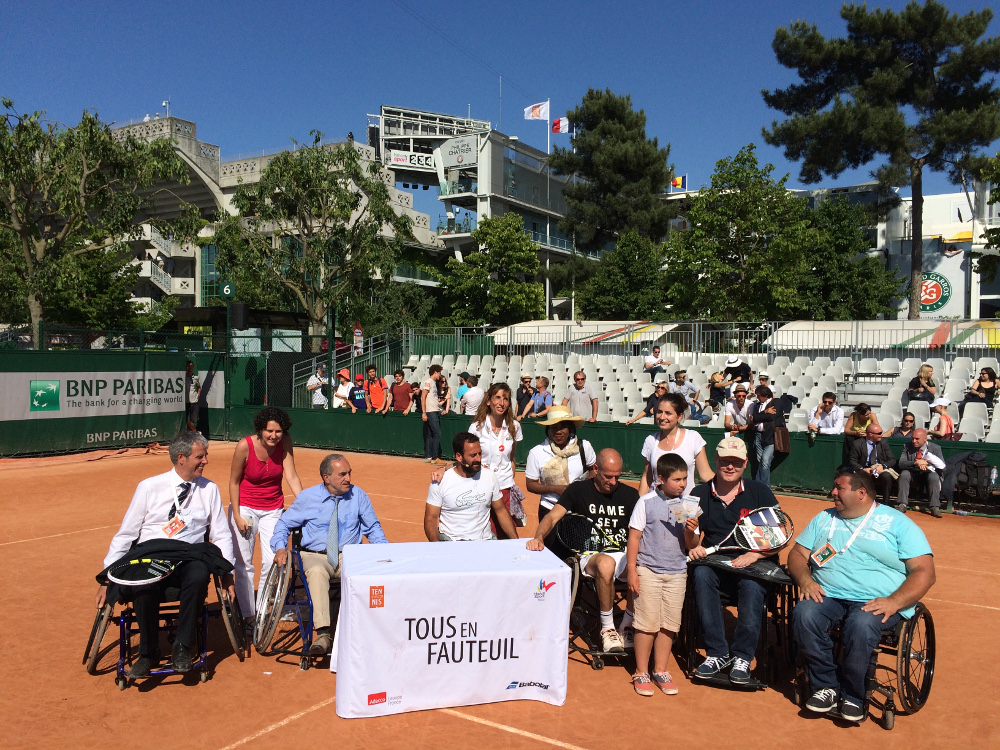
(962,604)
(400,520)
(967,570)
(279,724)
(53,536)
(512,730)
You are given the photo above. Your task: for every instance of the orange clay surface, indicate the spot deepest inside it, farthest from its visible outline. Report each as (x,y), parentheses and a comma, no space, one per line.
(57,517)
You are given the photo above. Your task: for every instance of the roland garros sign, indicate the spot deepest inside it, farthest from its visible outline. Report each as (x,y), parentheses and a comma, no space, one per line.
(935,292)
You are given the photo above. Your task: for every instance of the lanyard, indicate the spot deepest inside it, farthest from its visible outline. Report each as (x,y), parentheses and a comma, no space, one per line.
(833,526)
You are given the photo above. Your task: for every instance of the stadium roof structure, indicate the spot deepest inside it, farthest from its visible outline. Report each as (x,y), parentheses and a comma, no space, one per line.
(885,334)
(582,332)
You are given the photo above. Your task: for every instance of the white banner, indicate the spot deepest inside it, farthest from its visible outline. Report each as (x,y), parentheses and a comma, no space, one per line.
(427,625)
(59,395)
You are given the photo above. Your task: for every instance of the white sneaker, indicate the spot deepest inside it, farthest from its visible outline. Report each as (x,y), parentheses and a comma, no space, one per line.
(288,615)
(627,634)
(611,641)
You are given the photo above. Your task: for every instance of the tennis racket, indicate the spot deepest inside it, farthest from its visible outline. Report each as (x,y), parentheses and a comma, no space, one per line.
(581,535)
(140,571)
(761,530)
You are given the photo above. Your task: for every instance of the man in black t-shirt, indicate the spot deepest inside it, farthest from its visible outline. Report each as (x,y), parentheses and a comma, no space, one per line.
(524,394)
(609,504)
(737,371)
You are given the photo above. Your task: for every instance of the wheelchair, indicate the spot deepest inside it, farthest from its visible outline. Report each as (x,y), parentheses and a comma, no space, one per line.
(900,672)
(775,628)
(585,616)
(286,587)
(128,631)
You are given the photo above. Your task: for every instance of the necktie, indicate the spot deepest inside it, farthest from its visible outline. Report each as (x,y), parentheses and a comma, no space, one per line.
(871,449)
(184,489)
(333,535)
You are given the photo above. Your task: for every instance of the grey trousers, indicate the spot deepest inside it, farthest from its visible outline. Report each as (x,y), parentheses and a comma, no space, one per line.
(932,479)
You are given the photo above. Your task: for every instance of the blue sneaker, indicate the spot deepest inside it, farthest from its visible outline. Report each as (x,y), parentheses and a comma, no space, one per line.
(712,666)
(740,673)
(851,710)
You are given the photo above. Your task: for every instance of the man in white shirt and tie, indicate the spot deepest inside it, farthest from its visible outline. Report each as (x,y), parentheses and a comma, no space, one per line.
(181,505)
(921,461)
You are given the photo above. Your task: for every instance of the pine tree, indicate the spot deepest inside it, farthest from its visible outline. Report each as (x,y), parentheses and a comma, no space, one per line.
(907,87)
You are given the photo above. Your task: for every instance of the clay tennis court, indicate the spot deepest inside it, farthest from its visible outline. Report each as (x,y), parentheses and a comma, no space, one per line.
(57,517)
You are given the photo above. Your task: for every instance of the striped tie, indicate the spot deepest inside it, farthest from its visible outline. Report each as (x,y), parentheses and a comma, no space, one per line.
(185,490)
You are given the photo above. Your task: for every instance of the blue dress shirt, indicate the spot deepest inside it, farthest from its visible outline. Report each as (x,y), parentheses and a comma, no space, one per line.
(311,512)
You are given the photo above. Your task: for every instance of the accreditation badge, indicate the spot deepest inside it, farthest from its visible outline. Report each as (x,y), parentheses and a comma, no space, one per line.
(823,555)
(173,526)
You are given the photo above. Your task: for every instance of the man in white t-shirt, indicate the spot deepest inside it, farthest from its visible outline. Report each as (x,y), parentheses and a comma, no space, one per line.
(737,411)
(315,386)
(458,507)
(472,397)
(653,365)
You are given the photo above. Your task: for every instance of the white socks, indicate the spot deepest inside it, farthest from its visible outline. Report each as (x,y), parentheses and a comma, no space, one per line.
(627,619)
(607,620)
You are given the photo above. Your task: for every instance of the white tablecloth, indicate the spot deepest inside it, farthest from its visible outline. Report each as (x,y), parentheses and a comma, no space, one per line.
(427,625)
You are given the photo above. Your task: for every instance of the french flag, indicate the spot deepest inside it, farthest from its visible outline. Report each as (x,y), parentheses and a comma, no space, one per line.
(562,125)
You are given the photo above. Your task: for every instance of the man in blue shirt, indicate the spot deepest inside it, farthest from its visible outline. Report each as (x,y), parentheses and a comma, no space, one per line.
(862,566)
(312,512)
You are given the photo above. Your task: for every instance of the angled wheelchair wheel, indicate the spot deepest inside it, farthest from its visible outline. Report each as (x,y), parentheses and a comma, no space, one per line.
(915,660)
(272,601)
(93,653)
(232,620)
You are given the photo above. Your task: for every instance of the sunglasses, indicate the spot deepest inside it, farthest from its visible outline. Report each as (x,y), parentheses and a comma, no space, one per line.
(828,402)
(579,378)
(907,421)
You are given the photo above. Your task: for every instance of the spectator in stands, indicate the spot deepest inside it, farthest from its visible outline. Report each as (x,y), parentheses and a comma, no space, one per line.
(444,394)
(650,408)
(558,461)
(582,398)
(376,391)
(315,386)
(541,401)
(430,407)
(923,387)
(524,395)
(764,417)
(400,393)
(415,396)
(463,385)
(473,396)
(357,397)
(672,438)
(945,426)
(737,411)
(874,456)
(764,379)
(857,427)
(690,392)
(982,391)
(192,390)
(828,418)
(654,365)
(921,462)
(906,425)
(737,371)
(716,393)
(343,392)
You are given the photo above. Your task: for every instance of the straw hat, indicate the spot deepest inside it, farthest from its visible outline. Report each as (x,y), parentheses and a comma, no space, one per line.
(734,361)
(559,414)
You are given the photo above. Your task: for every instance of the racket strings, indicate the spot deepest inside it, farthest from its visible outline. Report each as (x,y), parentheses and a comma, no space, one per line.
(764,531)
(578,534)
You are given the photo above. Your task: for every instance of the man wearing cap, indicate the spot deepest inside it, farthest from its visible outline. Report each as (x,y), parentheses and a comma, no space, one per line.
(525,393)
(724,500)
(737,371)
(653,365)
(343,392)
(582,398)
(315,386)
(737,411)
(651,402)
(764,379)
(920,462)
(357,397)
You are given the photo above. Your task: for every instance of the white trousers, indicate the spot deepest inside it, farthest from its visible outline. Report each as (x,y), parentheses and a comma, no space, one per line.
(263,522)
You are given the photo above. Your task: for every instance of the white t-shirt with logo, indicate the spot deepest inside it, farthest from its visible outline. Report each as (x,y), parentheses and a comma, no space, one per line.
(471,400)
(465,504)
(497,449)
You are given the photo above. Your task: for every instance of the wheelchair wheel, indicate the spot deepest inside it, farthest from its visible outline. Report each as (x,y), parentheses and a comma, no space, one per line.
(93,652)
(272,601)
(232,620)
(915,660)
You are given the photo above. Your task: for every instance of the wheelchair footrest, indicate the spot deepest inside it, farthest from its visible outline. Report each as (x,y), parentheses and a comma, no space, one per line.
(722,680)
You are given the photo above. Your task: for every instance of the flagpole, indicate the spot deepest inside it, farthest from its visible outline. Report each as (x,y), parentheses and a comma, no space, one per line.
(548,202)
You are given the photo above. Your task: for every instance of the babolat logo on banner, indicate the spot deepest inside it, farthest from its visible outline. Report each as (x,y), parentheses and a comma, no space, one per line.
(516,684)
(44,395)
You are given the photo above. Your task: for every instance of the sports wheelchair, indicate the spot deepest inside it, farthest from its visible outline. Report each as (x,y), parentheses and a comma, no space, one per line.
(128,631)
(900,672)
(286,587)
(585,616)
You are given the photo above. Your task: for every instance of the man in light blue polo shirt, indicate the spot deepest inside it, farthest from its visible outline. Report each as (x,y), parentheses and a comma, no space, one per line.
(862,566)
(312,512)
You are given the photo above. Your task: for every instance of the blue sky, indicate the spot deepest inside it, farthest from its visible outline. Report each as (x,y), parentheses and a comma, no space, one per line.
(253,74)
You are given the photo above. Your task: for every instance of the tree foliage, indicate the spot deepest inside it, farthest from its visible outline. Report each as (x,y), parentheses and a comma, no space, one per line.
(987,264)
(623,173)
(906,87)
(495,284)
(69,201)
(628,284)
(318,230)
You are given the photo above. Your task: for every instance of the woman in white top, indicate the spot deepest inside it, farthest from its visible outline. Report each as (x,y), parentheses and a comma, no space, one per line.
(672,438)
(559,460)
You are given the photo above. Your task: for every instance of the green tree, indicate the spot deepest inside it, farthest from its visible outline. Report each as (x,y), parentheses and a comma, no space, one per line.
(317,229)
(987,264)
(623,173)
(495,284)
(744,256)
(67,192)
(843,282)
(628,284)
(908,87)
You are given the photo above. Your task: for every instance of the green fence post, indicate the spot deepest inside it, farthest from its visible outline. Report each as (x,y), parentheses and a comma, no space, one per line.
(142,340)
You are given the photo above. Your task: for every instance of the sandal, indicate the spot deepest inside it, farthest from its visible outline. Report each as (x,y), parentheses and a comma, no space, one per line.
(665,682)
(641,684)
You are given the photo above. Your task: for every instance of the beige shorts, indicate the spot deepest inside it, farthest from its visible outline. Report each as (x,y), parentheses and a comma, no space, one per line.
(660,601)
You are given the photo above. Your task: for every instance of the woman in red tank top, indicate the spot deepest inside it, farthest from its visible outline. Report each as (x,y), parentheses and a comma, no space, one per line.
(256,499)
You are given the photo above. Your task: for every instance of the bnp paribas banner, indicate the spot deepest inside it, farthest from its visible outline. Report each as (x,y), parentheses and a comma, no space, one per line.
(65,401)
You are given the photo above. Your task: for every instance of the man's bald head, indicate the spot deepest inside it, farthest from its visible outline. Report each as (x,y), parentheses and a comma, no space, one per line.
(609,459)
(919,437)
(609,470)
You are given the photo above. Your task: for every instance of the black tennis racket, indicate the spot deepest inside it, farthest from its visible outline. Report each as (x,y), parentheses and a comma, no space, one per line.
(581,535)
(761,530)
(140,571)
